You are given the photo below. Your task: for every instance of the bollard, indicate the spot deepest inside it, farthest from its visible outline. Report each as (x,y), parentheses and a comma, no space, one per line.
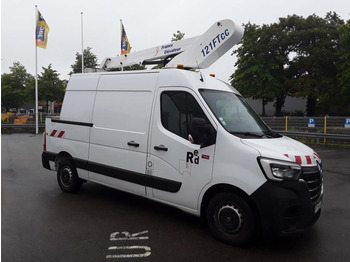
(286,127)
(325,129)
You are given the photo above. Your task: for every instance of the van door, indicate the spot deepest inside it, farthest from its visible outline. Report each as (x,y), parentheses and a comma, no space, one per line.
(180,168)
(118,140)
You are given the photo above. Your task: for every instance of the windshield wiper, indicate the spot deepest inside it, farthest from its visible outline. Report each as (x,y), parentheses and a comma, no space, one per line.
(272,134)
(248,134)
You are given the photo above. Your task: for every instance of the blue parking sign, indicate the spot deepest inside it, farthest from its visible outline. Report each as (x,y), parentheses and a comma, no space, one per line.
(347,123)
(311,122)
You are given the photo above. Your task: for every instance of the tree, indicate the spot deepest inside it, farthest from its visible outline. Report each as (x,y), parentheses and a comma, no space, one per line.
(260,65)
(343,66)
(15,86)
(297,57)
(312,71)
(51,88)
(90,61)
(177,36)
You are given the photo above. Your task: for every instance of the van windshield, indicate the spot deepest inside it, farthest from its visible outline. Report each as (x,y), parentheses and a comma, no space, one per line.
(235,115)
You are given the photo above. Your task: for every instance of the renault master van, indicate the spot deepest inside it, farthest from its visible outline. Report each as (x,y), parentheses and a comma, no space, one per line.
(187,140)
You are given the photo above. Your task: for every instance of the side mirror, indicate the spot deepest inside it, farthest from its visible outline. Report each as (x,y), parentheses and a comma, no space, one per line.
(199,131)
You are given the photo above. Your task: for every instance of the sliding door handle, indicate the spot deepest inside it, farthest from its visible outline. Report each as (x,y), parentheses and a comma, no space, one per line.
(133,143)
(161,148)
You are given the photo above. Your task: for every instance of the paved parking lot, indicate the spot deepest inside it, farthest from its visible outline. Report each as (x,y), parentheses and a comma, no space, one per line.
(41,223)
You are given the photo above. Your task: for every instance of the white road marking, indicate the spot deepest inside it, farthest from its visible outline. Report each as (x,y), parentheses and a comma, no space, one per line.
(128,236)
(145,254)
(125,236)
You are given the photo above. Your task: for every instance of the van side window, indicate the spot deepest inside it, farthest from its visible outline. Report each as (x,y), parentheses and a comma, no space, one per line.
(178,108)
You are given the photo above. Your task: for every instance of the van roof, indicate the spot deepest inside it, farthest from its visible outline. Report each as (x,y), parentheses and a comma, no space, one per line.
(166,77)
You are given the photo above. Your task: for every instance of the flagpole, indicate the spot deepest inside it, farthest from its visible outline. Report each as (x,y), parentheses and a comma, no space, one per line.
(121,35)
(82,45)
(36,74)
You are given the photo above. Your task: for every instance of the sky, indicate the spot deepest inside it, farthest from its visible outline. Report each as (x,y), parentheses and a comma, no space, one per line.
(148,23)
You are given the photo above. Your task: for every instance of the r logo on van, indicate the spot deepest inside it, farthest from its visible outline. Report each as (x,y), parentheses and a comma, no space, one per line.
(192,157)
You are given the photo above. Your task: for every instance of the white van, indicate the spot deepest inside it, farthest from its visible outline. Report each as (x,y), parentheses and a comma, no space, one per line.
(187,140)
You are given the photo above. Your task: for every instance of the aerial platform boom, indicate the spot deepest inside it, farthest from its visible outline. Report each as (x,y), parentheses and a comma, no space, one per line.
(196,52)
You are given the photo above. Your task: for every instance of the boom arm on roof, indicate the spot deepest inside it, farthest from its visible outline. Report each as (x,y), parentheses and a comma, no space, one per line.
(196,52)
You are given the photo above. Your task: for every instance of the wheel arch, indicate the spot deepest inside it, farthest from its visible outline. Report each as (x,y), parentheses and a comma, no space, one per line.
(63,155)
(218,188)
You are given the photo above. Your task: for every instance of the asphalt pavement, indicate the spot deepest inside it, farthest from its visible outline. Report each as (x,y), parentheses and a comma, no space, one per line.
(41,223)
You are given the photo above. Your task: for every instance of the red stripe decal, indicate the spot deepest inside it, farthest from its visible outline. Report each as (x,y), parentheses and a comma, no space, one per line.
(61,134)
(286,155)
(298,159)
(308,160)
(53,132)
(205,156)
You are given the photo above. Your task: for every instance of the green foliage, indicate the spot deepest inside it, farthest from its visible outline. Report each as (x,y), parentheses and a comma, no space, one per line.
(50,87)
(177,36)
(18,87)
(15,87)
(90,61)
(159,66)
(11,97)
(305,57)
(260,66)
(312,72)
(343,66)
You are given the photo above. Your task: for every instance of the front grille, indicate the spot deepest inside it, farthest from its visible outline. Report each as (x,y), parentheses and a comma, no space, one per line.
(314,180)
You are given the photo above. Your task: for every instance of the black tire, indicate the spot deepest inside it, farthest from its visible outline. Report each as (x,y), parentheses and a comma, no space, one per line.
(231,219)
(67,177)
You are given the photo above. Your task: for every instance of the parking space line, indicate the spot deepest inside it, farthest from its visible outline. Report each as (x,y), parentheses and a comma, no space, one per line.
(145,250)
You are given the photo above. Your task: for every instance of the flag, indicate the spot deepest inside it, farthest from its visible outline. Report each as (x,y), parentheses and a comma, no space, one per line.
(42,30)
(125,44)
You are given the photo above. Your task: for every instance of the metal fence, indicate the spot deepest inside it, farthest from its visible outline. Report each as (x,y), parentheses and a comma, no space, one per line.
(328,129)
(328,124)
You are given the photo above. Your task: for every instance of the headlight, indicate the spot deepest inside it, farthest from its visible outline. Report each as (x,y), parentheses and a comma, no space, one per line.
(280,170)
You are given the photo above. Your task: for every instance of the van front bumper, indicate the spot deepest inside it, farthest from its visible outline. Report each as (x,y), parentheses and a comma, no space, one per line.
(286,207)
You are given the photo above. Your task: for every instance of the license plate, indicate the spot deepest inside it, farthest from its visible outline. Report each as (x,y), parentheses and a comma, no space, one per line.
(318,206)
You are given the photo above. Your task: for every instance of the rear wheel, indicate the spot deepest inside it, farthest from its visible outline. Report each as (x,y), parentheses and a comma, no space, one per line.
(67,177)
(231,219)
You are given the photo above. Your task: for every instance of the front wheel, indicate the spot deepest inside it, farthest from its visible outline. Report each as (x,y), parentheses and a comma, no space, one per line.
(67,177)
(231,219)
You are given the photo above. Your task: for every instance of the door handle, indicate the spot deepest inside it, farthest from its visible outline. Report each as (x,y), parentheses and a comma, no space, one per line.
(133,143)
(161,148)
